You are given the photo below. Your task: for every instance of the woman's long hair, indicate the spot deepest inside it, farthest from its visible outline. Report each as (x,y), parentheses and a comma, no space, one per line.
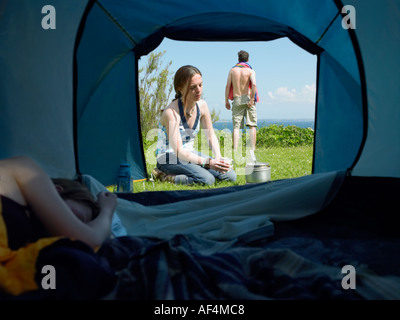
(182,81)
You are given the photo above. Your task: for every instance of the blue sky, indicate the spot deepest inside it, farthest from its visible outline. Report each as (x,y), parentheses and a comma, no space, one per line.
(285,73)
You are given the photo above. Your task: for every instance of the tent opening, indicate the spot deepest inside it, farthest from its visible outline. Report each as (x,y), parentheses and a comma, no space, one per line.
(286,82)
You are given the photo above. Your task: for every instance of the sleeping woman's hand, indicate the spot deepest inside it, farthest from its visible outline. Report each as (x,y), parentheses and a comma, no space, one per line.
(107,202)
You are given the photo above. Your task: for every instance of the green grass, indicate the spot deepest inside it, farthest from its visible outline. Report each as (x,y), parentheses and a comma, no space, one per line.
(285,162)
(288,150)
(289,162)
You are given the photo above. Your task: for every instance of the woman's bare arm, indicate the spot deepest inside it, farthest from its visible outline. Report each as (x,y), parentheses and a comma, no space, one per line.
(39,192)
(212,140)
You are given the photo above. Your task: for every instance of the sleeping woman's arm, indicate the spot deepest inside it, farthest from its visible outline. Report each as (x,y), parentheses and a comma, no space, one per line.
(40,193)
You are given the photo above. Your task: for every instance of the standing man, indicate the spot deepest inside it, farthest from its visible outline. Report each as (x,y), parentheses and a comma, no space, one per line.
(241,88)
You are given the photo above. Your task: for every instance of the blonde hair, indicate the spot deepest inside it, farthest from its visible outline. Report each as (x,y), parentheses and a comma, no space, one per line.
(74,190)
(182,80)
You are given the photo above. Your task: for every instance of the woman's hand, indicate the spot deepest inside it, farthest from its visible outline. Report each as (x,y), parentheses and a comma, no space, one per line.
(220,165)
(107,202)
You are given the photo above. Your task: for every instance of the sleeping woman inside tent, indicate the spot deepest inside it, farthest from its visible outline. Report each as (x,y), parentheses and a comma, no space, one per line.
(36,211)
(58,223)
(55,235)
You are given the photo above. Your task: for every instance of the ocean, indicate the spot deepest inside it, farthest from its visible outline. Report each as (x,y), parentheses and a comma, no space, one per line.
(301,123)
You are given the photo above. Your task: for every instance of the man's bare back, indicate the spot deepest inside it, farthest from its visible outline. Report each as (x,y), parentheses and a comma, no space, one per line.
(237,88)
(241,78)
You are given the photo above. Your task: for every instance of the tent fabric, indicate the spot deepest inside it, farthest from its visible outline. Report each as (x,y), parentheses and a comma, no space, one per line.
(380,49)
(105,101)
(69,96)
(339,120)
(36,83)
(342,106)
(128,29)
(222,217)
(69,99)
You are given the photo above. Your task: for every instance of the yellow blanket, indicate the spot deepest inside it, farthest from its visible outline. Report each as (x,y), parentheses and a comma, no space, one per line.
(18,267)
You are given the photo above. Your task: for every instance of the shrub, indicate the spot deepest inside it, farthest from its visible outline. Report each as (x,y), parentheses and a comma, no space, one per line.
(280,136)
(267,137)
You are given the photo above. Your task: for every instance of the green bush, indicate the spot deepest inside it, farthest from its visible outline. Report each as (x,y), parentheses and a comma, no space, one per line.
(267,137)
(280,136)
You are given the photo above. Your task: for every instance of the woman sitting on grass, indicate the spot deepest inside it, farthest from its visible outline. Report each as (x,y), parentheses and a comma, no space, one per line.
(177,160)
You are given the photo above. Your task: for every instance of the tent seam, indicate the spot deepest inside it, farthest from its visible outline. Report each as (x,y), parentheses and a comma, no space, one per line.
(327,28)
(117,23)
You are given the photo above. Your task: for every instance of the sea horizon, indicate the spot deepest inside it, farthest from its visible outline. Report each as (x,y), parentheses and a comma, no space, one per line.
(301,123)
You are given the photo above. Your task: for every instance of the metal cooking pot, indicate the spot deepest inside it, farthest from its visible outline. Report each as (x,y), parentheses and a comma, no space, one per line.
(257,172)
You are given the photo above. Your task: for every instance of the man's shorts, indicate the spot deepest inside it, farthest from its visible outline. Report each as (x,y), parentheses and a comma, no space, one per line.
(240,110)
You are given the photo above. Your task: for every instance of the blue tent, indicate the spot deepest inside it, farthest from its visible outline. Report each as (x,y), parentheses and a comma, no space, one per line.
(69,99)
(77,84)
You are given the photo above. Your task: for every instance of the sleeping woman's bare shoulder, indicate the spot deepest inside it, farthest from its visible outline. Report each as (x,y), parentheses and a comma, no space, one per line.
(8,184)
